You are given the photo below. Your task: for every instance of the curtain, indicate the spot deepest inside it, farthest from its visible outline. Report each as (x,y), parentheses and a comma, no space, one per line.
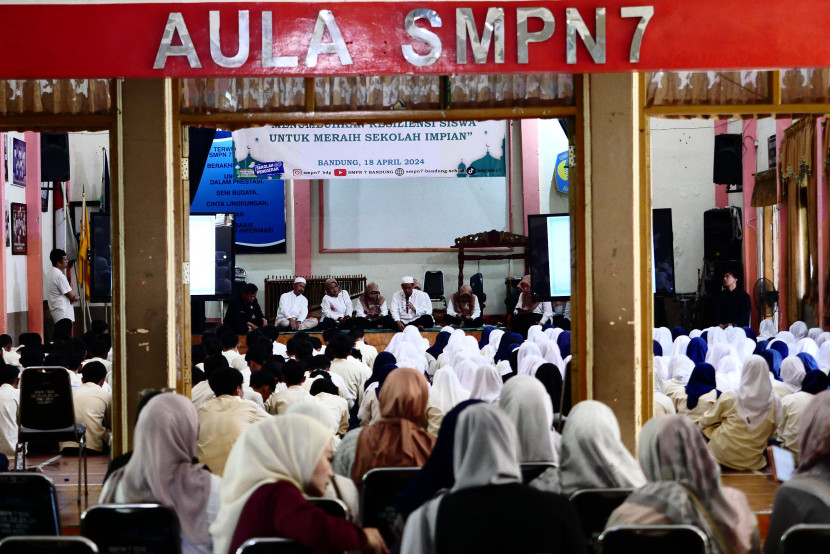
(803,86)
(55,96)
(826,144)
(377,93)
(797,168)
(492,91)
(689,88)
(244,94)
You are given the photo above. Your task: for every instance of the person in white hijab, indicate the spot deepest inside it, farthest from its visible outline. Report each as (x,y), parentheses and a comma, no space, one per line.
(272,464)
(716,335)
(526,349)
(680,369)
(663,336)
(530,364)
(799,330)
(466,371)
(787,337)
(489,350)
(446,392)
(822,338)
(767,330)
(487,474)
(161,470)
(694,333)
(663,405)
(749,348)
(340,487)
(814,332)
(536,334)
(823,358)
(736,338)
(679,349)
(747,417)
(413,337)
(792,373)
(551,353)
(807,345)
(553,334)
(661,369)
(728,373)
(593,455)
(487,384)
(718,352)
(528,405)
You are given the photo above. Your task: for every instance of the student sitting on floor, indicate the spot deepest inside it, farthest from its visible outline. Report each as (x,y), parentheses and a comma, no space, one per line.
(293,374)
(9,406)
(92,407)
(463,309)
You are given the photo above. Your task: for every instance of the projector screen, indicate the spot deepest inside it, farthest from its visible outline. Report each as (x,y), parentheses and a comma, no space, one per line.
(211,256)
(550,256)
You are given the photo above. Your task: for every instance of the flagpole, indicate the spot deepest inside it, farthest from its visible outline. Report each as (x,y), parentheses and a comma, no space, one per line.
(69,234)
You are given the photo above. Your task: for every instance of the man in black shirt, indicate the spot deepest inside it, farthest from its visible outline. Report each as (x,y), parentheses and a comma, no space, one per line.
(733,304)
(244,313)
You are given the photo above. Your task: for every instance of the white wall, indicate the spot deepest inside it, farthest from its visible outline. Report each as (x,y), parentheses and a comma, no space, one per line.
(552,141)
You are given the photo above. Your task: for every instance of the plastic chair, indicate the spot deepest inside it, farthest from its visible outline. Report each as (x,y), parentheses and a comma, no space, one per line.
(434,286)
(28,505)
(378,494)
(532,470)
(133,528)
(332,506)
(653,539)
(273,546)
(806,537)
(47,414)
(47,545)
(594,507)
(477,284)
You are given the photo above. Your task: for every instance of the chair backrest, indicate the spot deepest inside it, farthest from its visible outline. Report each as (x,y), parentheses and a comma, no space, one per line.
(806,537)
(332,506)
(653,539)
(273,546)
(532,470)
(594,507)
(47,545)
(477,284)
(434,284)
(28,505)
(133,528)
(46,399)
(378,494)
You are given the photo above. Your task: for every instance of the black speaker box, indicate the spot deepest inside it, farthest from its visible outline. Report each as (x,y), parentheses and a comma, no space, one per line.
(728,160)
(719,242)
(54,157)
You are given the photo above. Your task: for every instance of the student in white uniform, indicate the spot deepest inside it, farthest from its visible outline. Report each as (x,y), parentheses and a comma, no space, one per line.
(97,352)
(293,373)
(230,350)
(10,356)
(411,306)
(368,351)
(336,307)
(9,405)
(292,313)
(59,295)
(92,407)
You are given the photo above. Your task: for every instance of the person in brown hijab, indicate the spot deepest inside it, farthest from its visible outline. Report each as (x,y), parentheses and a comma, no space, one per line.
(528,311)
(463,309)
(371,311)
(397,440)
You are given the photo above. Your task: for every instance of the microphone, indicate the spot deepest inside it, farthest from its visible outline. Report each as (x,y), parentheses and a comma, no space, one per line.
(406,302)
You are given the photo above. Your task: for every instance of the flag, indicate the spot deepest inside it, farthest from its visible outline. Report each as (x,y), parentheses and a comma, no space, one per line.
(83,252)
(104,203)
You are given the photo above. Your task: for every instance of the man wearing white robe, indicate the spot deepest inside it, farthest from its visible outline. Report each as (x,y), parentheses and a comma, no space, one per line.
(411,306)
(293,309)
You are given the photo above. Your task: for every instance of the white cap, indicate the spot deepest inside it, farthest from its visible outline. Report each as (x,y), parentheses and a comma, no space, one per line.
(299,280)
(407,280)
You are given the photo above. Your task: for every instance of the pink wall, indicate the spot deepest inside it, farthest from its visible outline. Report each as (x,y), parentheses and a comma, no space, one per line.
(780,126)
(721,198)
(34,247)
(302,227)
(4,322)
(750,218)
(530,169)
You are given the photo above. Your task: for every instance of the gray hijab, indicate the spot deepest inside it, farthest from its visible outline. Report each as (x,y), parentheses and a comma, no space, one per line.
(486,449)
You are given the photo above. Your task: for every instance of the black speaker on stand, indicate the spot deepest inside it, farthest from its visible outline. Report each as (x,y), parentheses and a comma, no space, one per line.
(728,167)
(54,157)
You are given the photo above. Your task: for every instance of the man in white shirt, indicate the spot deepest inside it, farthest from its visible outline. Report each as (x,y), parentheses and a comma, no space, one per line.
(10,356)
(337,307)
(230,350)
(92,407)
(59,295)
(353,372)
(411,306)
(9,405)
(293,310)
(368,351)
(293,373)
(326,394)
(97,352)
(224,418)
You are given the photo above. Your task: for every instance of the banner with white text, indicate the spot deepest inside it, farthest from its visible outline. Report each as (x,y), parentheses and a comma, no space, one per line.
(375,151)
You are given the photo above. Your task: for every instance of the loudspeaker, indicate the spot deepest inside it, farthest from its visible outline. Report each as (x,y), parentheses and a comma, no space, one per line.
(719,240)
(54,156)
(728,155)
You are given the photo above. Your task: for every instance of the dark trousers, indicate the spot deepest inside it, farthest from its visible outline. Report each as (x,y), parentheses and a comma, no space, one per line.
(328,323)
(424,321)
(385,322)
(520,323)
(63,330)
(452,320)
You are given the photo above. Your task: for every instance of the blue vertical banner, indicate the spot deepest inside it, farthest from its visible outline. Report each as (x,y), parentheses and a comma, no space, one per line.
(561,172)
(258,204)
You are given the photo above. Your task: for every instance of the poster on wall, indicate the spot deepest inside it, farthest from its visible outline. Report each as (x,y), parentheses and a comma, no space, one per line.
(8,229)
(258,204)
(373,151)
(18,228)
(5,159)
(19,163)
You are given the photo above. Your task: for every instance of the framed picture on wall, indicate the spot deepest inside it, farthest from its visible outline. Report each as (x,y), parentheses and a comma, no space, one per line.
(5,158)
(19,163)
(8,228)
(19,239)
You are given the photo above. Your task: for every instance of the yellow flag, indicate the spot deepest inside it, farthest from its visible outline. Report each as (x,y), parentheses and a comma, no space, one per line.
(83,252)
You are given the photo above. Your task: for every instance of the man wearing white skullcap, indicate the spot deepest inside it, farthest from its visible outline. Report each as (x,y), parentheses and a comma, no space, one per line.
(293,310)
(411,306)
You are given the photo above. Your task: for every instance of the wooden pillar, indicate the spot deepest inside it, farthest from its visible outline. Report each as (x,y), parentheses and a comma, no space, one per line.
(616,232)
(750,217)
(151,299)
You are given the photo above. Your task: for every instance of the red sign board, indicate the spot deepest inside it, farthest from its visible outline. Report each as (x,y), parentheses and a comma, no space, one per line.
(378,38)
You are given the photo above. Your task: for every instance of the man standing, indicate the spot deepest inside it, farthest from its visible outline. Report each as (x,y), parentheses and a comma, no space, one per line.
(244,313)
(59,296)
(733,304)
(411,307)
(293,310)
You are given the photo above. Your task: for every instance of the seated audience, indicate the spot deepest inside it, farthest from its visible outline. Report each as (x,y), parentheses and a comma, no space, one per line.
(593,455)
(528,405)
(411,307)
(224,418)
(162,470)
(293,375)
(10,355)
(292,313)
(201,392)
(793,406)
(120,461)
(528,312)
(244,313)
(353,372)
(371,311)
(369,411)
(700,394)
(367,351)
(264,384)
(463,309)
(741,421)
(327,396)
(92,407)
(446,393)
(271,467)
(792,373)
(9,406)
(336,307)
(97,352)
(397,440)
(230,350)
(684,488)
(487,474)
